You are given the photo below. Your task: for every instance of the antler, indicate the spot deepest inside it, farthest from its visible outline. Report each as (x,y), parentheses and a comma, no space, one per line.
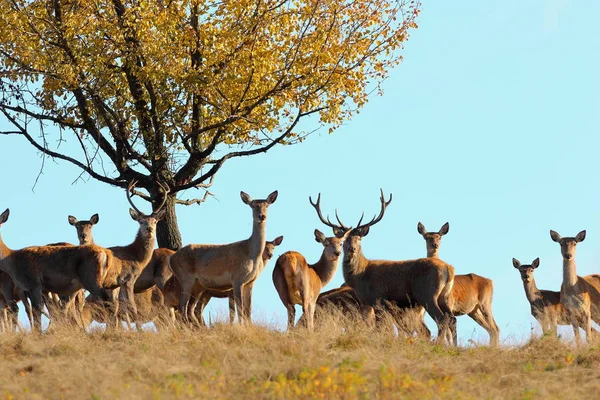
(131,187)
(165,188)
(327,221)
(377,218)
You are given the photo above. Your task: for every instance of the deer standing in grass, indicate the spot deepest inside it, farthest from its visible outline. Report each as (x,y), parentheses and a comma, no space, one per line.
(209,294)
(425,282)
(58,269)
(129,261)
(226,266)
(298,282)
(546,307)
(471,294)
(580,296)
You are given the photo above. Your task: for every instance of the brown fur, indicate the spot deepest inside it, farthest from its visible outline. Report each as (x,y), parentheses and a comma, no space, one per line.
(471,294)
(224,267)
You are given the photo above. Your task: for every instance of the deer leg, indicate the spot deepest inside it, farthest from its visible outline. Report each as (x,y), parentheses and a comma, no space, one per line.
(247,293)
(291,312)
(231,301)
(239,301)
(184,299)
(37,303)
(368,313)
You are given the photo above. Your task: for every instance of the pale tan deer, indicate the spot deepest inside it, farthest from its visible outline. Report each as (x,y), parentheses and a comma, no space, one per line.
(298,282)
(58,269)
(129,262)
(579,295)
(471,294)
(224,266)
(172,291)
(546,307)
(208,293)
(425,282)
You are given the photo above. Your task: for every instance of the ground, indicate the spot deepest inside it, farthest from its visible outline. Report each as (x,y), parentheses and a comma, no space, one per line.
(261,362)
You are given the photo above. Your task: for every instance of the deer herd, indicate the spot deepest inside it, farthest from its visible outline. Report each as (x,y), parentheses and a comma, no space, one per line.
(135,282)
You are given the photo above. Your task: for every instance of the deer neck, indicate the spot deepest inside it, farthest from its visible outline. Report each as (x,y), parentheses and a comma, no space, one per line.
(4,250)
(325,269)
(569,272)
(531,291)
(142,247)
(432,254)
(354,267)
(257,240)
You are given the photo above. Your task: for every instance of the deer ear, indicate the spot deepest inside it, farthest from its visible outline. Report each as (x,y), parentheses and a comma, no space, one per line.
(364,231)
(555,236)
(134,214)
(72,220)
(536,263)
(272,197)
(4,216)
(516,263)
(246,198)
(339,233)
(580,237)
(421,228)
(445,228)
(319,236)
(95,218)
(278,240)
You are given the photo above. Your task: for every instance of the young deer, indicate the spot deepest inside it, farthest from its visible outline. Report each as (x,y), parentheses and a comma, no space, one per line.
(58,269)
(225,266)
(546,307)
(172,291)
(298,282)
(425,282)
(580,296)
(471,294)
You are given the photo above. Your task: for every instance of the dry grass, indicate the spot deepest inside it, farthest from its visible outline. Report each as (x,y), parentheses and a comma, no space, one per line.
(259,362)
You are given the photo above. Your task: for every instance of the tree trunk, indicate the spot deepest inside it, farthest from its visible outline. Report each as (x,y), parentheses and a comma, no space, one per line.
(167,230)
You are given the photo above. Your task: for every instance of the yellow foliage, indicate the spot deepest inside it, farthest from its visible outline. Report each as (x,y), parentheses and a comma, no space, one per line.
(250,65)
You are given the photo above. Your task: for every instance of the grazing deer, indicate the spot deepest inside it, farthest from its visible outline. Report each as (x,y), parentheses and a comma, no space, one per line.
(425,282)
(58,269)
(580,296)
(343,299)
(129,261)
(225,266)
(546,307)
(172,291)
(471,294)
(298,282)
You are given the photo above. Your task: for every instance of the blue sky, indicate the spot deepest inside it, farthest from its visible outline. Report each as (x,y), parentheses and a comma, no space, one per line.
(490,123)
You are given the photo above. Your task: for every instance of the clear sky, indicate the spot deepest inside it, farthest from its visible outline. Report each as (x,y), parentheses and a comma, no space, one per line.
(491,123)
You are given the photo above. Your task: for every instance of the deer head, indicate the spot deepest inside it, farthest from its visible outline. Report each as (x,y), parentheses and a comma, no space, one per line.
(270,248)
(352,245)
(4,216)
(567,244)
(84,228)
(526,270)
(433,239)
(147,222)
(259,207)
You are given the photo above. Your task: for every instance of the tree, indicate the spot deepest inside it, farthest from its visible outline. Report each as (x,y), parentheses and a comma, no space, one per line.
(169,90)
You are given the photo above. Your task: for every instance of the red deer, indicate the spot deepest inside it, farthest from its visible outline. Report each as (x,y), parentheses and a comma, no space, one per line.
(298,282)
(579,295)
(172,290)
(425,282)
(224,266)
(546,307)
(471,294)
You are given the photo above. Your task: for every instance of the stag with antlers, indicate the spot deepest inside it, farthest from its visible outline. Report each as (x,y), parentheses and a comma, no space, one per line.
(424,282)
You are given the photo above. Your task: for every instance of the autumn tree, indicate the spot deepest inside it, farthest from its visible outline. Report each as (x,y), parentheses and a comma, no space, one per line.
(169,90)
